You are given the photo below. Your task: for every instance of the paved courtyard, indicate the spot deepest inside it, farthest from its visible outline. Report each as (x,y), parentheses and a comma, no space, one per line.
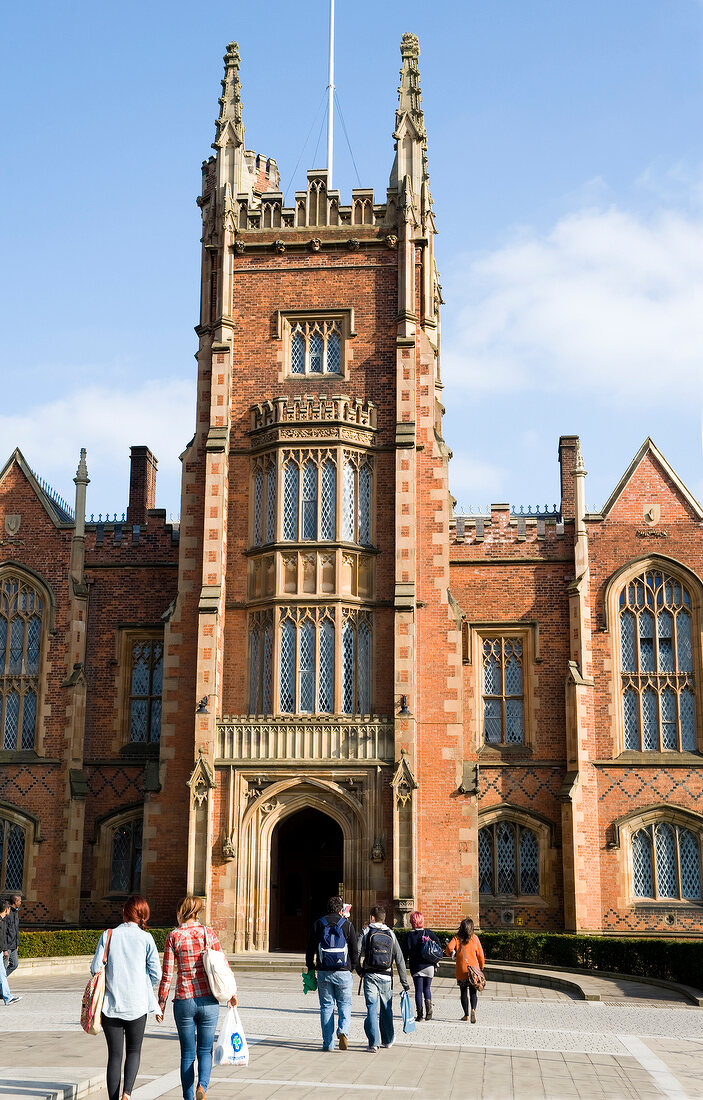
(528,1043)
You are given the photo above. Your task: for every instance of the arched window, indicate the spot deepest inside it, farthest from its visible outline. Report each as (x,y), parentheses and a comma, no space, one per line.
(12,853)
(508,860)
(145,686)
(126,857)
(21,614)
(260,662)
(656,663)
(315,348)
(356,663)
(503,691)
(666,862)
(308,641)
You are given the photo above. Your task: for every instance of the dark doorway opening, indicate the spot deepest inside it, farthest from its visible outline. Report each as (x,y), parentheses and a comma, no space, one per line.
(307,867)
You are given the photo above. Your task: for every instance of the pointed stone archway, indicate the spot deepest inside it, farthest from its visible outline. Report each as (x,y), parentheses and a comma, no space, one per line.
(307,868)
(277,803)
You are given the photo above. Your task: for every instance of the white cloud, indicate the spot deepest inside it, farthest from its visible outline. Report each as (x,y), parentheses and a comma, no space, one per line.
(106,421)
(607,299)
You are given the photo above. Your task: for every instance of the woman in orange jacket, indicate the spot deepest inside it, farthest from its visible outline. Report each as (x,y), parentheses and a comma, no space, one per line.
(469,953)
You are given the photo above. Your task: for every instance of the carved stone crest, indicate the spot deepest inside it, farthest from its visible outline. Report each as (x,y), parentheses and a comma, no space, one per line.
(651,513)
(12,525)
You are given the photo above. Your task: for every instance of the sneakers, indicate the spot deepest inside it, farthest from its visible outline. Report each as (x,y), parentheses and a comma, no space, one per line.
(12,1000)
(343,1044)
(473,1016)
(373,1050)
(387,1045)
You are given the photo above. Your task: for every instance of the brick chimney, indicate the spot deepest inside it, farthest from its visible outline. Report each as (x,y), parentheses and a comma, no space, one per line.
(568,445)
(142,484)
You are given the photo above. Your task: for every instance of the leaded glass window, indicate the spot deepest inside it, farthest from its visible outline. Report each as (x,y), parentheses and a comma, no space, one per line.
(260,662)
(656,663)
(356,498)
(12,850)
(270,502)
(328,500)
(326,665)
(126,858)
(508,860)
(306,668)
(21,614)
(290,501)
(349,502)
(503,691)
(666,862)
(356,663)
(288,655)
(316,347)
(365,506)
(146,675)
(258,504)
(308,641)
(309,500)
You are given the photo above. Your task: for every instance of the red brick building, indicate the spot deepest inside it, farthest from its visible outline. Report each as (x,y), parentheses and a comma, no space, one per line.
(329,678)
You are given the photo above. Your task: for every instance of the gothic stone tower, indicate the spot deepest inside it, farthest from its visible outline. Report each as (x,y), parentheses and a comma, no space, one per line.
(313,616)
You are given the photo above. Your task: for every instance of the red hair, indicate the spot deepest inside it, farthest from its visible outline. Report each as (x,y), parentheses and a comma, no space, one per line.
(136,908)
(417,920)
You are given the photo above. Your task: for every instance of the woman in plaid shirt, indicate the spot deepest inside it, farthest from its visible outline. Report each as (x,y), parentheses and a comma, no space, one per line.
(194,1007)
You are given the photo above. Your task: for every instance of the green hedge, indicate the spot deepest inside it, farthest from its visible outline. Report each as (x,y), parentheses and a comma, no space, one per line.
(65,941)
(672,960)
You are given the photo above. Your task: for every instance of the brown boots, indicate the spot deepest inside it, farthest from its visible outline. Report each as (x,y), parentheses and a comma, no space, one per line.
(428,1010)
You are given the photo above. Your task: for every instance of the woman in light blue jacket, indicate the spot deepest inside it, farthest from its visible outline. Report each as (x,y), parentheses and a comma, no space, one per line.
(131,970)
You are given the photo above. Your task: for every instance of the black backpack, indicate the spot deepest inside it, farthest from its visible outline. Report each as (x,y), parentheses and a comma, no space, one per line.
(379,951)
(332,950)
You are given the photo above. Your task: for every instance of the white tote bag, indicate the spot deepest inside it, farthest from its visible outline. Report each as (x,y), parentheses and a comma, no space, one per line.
(231,1048)
(221,980)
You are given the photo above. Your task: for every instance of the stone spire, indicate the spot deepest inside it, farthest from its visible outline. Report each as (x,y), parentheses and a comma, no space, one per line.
(409,171)
(230,101)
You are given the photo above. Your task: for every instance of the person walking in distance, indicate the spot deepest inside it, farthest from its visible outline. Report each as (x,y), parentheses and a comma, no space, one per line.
(195,1009)
(131,969)
(378,950)
(12,936)
(332,951)
(5,994)
(469,956)
(421,968)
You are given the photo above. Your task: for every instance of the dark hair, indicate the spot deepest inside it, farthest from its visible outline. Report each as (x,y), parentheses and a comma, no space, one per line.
(136,908)
(4,904)
(334,904)
(466,930)
(378,913)
(14,898)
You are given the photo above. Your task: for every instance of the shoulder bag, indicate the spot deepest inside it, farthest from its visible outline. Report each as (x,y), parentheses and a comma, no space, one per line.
(220,978)
(476,977)
(94,993)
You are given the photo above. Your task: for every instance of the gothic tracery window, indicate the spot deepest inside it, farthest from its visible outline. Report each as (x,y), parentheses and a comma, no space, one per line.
(656,661)
(315,348)
(508,860)
(145,681)
(12,853)
(666,862)
(21,614)
(503,691)
(126,857)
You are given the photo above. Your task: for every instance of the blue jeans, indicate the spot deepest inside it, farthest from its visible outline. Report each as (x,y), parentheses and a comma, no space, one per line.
(4,987)
(378,994)
(334,987)
(196,1021)
(12,962)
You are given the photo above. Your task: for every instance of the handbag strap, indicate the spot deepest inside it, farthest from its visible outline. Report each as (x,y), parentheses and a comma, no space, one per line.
(107,946)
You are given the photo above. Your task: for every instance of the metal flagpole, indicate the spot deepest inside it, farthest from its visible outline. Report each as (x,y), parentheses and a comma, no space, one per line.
(330,99)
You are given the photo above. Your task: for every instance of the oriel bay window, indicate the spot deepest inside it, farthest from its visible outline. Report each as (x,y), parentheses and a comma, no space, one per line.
(656,661)
(314,660)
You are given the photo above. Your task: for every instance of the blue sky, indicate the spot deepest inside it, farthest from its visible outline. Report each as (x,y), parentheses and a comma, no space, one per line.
(566,168)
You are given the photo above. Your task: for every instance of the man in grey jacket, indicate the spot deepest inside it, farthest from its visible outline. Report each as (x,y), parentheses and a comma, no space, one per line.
(378,950)
(12,934)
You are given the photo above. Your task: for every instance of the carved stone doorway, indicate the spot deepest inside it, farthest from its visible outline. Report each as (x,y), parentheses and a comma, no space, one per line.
(307,866)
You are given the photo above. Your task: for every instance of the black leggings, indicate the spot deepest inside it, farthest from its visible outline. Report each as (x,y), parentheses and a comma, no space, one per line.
(423,988)
(466,990)
(118,1033)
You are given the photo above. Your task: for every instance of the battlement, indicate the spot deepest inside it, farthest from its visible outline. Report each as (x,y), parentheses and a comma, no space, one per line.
(286,410)
(501,523)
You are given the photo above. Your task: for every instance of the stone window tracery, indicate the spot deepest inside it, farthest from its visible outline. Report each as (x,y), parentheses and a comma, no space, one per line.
(656,663)
(13,843)
(503,690)
(145,682)
(315,348)
(126,857)
(666,862)
(21,631)
(508,860)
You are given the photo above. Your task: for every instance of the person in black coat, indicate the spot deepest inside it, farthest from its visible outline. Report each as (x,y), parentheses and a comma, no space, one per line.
(422,971)
(5,994)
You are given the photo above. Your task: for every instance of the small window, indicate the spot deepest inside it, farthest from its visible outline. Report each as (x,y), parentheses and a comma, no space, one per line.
(508,860)
(503,691)
(666,863)
(12,852)
(126,857)
(146,674)
(315,348)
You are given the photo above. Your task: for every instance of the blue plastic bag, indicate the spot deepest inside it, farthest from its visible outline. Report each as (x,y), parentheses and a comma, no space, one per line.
(406,1011)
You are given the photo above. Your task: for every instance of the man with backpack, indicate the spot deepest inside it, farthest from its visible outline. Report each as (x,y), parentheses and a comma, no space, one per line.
(333,952)
(380,949)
